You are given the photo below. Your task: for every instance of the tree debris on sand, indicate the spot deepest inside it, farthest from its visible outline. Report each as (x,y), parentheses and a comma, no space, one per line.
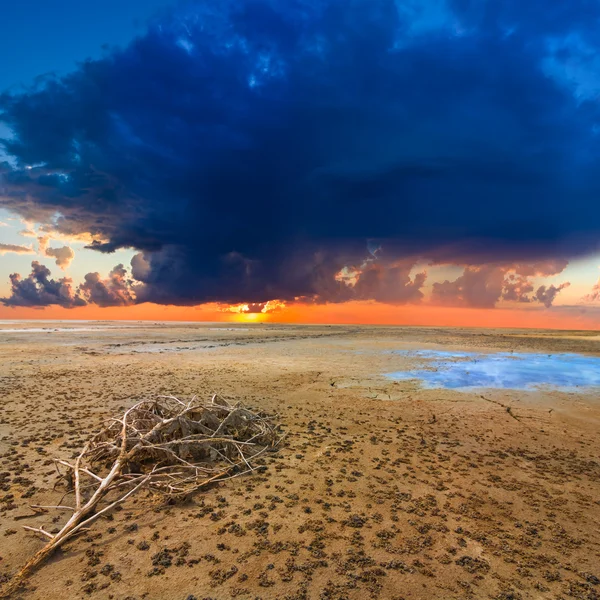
(171,447)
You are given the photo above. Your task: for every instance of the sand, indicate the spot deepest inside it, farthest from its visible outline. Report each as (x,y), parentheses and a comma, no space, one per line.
(382,490)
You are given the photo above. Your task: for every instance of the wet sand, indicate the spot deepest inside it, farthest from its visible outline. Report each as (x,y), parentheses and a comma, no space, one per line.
(382,489)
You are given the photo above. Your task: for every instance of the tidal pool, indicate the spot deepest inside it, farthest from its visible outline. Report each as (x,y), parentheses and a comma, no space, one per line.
(524,371)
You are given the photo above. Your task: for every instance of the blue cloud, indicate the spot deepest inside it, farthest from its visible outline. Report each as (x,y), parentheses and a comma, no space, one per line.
(252,149)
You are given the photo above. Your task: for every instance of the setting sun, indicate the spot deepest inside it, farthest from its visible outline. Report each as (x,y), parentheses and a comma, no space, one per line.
(250,317)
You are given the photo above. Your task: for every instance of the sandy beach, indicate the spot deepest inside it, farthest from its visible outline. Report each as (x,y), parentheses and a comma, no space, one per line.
(382,489)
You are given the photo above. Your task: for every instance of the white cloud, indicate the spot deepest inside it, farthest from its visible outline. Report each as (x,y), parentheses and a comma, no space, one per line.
(15,249)
(64,256)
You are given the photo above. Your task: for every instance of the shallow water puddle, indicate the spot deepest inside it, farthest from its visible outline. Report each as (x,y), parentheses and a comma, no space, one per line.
(525,371)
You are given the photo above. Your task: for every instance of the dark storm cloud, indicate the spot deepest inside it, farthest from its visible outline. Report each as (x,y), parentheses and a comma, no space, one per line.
(377,279)
(485,286)
(39,289)
(517,288)
(255,308)
(116,290)
(545,268)
(547,294)
(479,287)
(251,150)
(140,267)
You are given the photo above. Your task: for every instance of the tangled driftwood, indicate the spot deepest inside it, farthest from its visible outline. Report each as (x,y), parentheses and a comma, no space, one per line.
(166,445)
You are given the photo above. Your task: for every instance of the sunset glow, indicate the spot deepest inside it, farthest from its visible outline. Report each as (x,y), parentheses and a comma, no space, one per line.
(368,313)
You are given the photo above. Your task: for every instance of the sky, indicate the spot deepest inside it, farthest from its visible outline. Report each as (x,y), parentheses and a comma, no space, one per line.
(431,162)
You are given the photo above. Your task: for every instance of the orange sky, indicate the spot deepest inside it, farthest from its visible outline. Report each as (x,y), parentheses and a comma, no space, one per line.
(350,312)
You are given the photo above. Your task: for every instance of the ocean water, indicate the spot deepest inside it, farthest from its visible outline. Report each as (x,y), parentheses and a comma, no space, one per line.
(523,371)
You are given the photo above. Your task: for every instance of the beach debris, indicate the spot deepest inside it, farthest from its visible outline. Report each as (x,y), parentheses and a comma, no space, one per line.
(165,445)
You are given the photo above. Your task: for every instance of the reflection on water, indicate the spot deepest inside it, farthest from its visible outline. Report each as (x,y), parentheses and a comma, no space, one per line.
(439,369)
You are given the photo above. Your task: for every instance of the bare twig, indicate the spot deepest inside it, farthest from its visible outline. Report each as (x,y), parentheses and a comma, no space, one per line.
(164,445)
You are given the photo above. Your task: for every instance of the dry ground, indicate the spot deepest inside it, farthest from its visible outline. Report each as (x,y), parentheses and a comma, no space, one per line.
(383,490)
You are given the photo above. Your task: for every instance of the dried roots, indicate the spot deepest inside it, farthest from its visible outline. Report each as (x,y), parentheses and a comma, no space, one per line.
(165,445)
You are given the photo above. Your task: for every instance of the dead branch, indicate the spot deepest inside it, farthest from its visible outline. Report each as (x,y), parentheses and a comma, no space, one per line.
(164,445)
